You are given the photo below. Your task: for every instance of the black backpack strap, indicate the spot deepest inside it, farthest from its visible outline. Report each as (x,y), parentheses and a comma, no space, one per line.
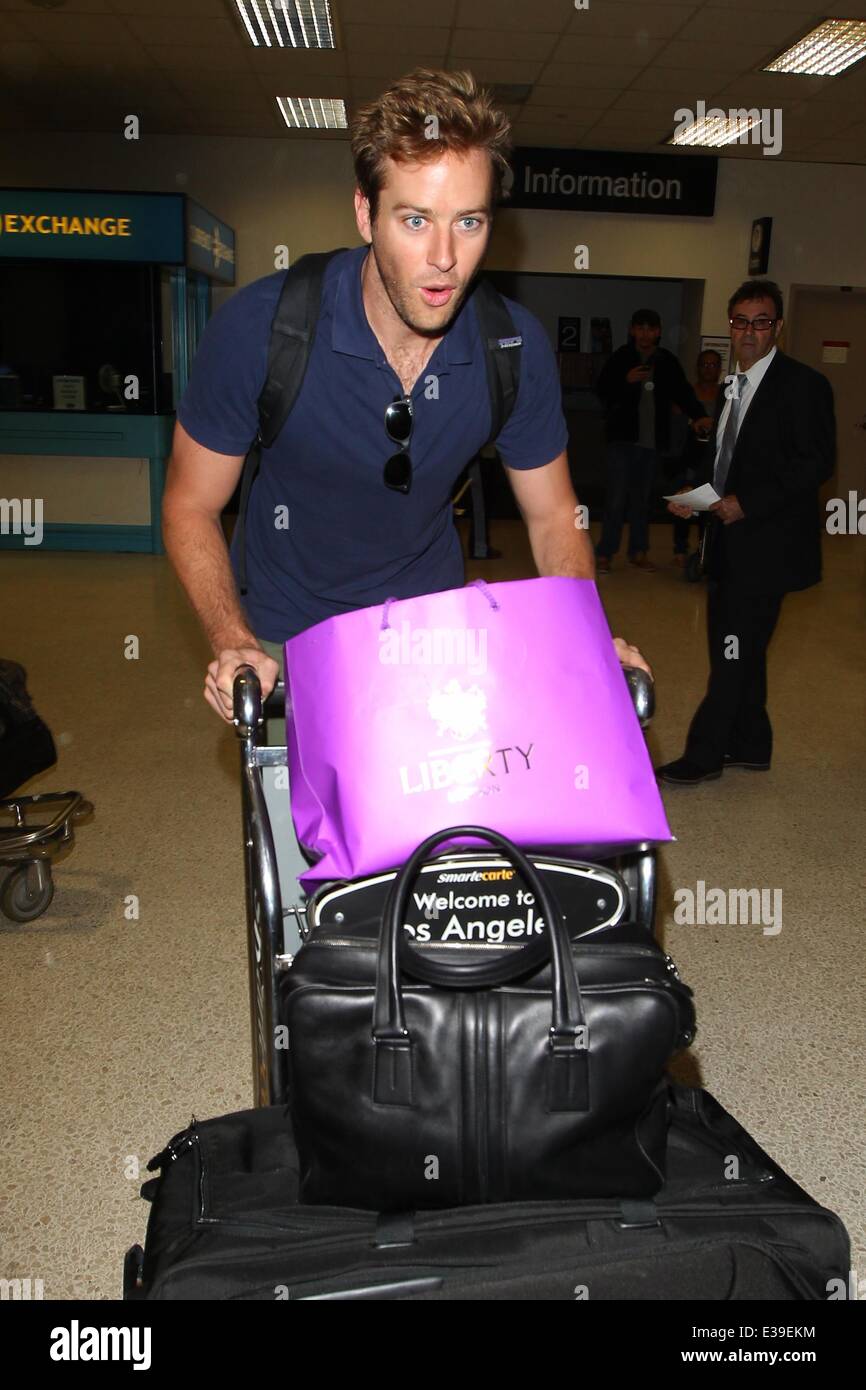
(502,349)
(293,330)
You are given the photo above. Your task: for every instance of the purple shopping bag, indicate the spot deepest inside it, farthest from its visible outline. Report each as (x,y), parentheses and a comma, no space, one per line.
(502,705)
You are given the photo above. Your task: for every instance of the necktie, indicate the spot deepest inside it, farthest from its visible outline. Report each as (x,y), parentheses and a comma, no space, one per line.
(729,438)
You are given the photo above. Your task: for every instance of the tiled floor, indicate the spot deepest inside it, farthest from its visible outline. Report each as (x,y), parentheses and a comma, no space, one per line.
(117,1028)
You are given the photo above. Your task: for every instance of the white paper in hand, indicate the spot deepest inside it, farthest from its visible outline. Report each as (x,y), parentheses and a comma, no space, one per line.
(700,499)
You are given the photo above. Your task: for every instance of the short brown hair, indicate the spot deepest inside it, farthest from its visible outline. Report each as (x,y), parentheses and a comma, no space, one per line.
(397,126)
(757,289)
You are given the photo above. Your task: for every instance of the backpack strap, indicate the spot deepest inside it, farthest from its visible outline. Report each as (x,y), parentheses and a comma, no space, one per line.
(293,330)
(502,350)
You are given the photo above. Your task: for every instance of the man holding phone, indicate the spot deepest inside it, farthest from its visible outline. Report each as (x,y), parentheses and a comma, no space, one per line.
(638,385)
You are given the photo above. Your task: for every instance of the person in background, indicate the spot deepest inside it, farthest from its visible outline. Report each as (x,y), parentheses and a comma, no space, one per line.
(774,445)
(638,385)
(694,456)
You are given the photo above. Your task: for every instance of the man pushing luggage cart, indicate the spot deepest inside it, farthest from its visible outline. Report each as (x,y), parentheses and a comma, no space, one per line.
(348,393)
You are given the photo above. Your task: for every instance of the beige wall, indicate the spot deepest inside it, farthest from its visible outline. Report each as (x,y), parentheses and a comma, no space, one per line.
(298,192)
(80,491)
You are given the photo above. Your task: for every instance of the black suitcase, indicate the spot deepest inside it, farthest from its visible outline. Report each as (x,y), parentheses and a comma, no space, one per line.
(728,1225)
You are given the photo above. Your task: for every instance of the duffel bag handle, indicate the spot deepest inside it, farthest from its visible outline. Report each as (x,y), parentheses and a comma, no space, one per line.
(569,1035)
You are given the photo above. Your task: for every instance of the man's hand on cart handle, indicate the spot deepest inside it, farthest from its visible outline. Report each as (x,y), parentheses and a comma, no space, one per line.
(221,673)
(630,656)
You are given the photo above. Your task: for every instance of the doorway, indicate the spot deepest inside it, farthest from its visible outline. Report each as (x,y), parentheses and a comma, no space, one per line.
(827,331)
(586,317)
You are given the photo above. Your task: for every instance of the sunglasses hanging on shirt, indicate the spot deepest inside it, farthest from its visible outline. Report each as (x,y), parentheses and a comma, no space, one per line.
(398,423)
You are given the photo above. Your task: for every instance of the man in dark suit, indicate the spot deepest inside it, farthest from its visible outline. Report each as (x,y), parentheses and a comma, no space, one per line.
(774,440)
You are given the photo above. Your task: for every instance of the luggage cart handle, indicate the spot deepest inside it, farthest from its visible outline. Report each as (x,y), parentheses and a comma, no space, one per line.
(246,701)
(642,691)
(247,710)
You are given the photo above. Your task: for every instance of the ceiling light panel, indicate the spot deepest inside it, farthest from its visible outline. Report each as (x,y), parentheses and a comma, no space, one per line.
(716,130)
(313,113)
(830,48)
(287,23)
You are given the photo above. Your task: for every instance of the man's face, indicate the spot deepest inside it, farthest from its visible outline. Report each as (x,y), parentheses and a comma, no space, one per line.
(645,337)
(751,344)
(431,231)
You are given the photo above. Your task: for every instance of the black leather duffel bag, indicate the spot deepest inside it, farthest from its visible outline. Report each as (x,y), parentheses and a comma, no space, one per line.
(420,1082)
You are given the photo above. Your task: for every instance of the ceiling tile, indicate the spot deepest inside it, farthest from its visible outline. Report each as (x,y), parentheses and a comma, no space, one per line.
(251,126)
(387,69)
(572,98)
(221,59)
(773,88)
(18,61)
(732,53)
(588,75)
(714,24)
(560,137)
(656,21)
(847,87)
(815,111)
(198,9)
(56,27)
(90,7)
(394,12)
(633,46)
(622,123)
(365,89)
(217,84)
(593,141)
(325,62)
(184,30)
(654,103)
(333,87)
(662,79)
(381,38)
(489,70)
(13,29)
(556,123)
(502,43)
(105,58)
(532,16)
(806,9)
(751,90)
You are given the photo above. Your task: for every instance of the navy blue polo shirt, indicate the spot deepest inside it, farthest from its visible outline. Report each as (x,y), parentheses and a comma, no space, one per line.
(350,541)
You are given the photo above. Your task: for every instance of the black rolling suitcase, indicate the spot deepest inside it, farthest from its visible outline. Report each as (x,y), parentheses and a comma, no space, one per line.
(728,1225)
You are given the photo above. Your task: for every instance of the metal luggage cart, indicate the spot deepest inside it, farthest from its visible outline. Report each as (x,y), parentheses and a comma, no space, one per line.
(277,913)
(29,847)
